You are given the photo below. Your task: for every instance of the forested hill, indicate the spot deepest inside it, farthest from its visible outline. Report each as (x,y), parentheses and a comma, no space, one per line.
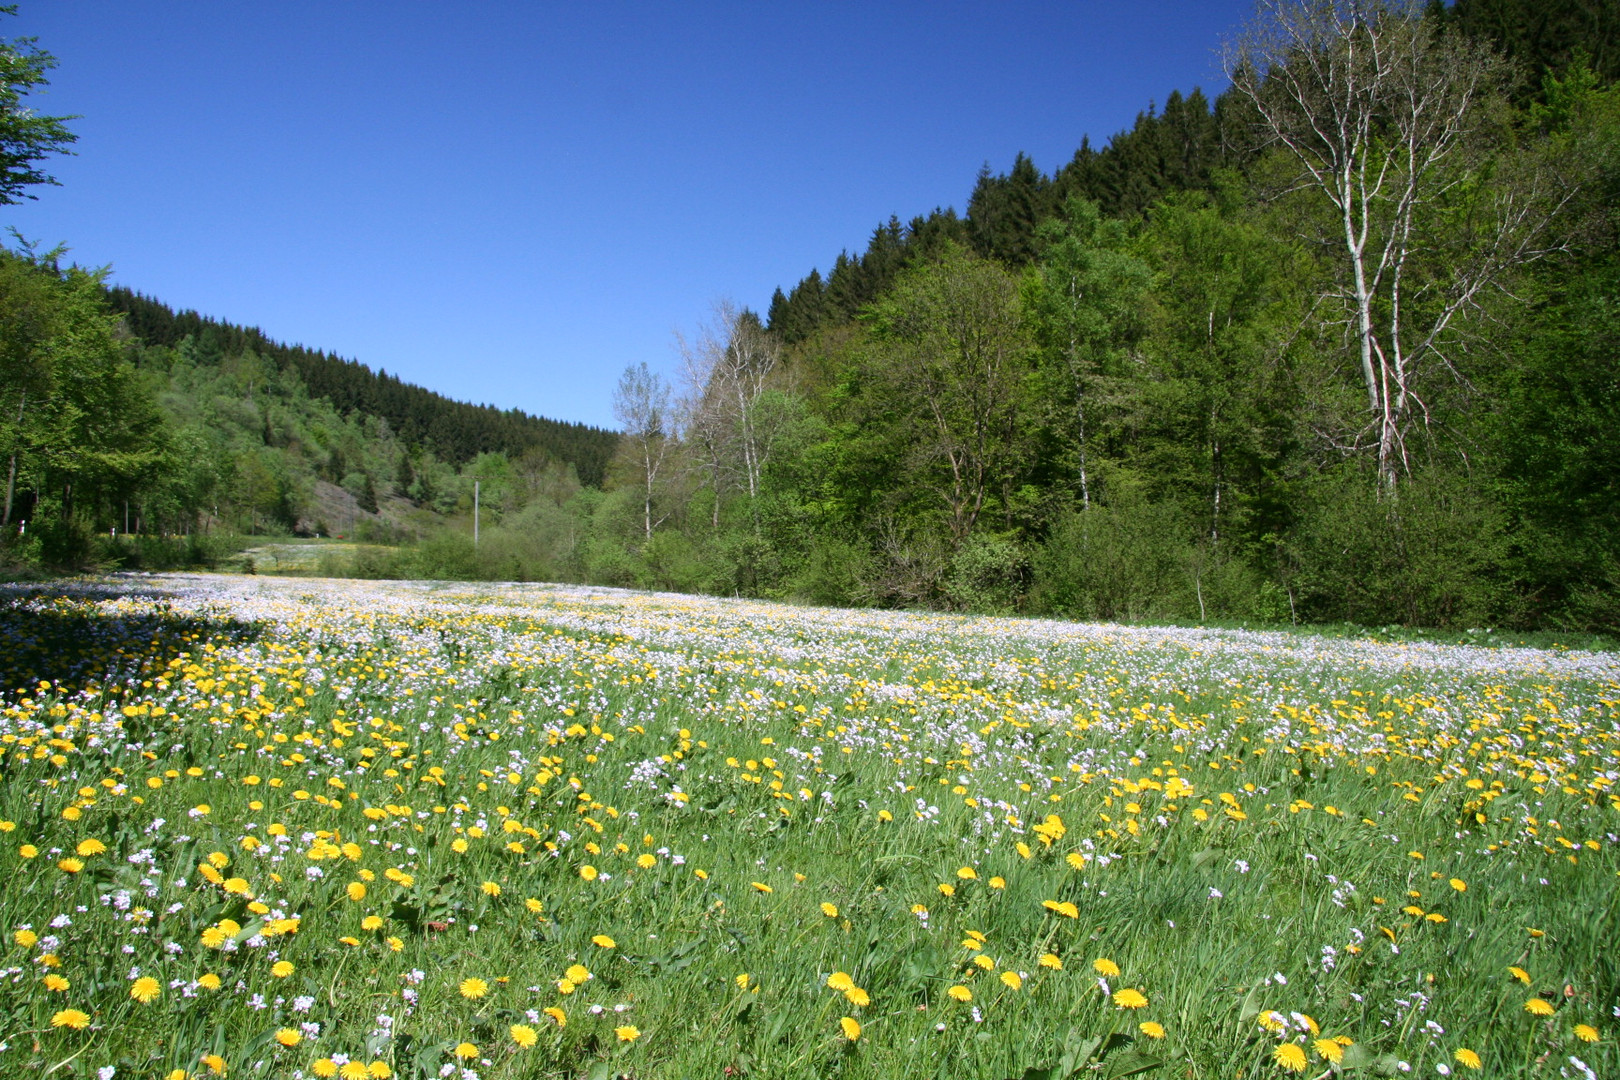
(1185,145)
(455,430)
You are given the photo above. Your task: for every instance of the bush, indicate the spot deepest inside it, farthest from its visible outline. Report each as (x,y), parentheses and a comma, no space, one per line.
(835,573)
(1116,562)
(64,544)
(1430,555)
(989,575)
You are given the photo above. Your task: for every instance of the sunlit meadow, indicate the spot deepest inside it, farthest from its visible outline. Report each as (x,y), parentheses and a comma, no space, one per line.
(297,828)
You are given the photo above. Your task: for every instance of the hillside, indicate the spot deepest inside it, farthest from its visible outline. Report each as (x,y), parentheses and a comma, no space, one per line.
(457,431)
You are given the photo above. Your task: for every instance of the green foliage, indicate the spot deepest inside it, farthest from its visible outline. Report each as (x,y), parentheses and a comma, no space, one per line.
(988,574)
(26,138)
(1433,556)
(455,431)
(1124,562)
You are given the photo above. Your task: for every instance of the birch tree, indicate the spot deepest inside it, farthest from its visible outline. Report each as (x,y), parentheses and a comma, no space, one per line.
(1386,118)
(641,405)
(727,369)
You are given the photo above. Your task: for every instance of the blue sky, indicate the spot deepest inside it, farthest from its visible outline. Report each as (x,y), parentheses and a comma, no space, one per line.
(510,202)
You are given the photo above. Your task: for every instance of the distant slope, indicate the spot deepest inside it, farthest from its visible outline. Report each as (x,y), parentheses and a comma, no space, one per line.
(455,430)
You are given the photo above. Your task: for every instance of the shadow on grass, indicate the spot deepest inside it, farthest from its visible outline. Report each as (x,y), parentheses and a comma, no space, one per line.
(53,631)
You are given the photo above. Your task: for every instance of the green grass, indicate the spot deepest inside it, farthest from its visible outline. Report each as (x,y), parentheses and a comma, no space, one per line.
(1255,829)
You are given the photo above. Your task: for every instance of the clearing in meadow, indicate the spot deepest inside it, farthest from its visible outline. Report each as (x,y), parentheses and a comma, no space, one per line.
(293,828)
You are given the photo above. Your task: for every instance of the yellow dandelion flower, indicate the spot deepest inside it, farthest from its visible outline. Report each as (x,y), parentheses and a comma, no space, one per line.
(1520,974)
(1105,967)
(55,983)
(473,989)
(396,944)
(1050,960)
(557,1015)
(1330,1051)
(984,962)
(209,981)
(947,889)
(1459,884)
(960,993)
(577,973)
(760,886)
(325,1068)
(26,938)
(742,981)
(70,865)
(90,847)
(357,891)
(379,1070)
(71,1018)
(282,968)
(602,941)
(371,923)
(1467,1058)
(850,1028)
(1539,1007)
(354,1070)
(646,860)
(1586,1033)
(588,872)
(1012,980)
(465,1050)
(145,989)
(1130,999)
(840,980)
(565,987)
(1062,907)
(627,1033)
(829,910)
(215,1063)
(28,851)
(289,1036)
(491,888)
(1152,1029)
(858,997)
(1290,1056)
(523,1035)
(967,873)
(998,882)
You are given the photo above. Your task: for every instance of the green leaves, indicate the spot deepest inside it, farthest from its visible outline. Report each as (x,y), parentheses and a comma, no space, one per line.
(26,138)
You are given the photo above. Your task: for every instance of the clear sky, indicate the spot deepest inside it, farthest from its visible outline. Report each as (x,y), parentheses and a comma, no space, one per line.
(510,202)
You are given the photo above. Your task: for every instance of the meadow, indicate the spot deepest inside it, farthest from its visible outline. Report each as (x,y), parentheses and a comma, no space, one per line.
(311,828)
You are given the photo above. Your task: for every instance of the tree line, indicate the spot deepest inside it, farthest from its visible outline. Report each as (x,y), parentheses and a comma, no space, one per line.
(1338,345)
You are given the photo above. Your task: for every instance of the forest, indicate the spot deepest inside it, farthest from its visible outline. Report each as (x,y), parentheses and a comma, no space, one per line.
(1337,345)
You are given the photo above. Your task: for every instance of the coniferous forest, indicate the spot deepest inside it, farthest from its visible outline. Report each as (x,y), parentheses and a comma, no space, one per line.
(1341,344)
